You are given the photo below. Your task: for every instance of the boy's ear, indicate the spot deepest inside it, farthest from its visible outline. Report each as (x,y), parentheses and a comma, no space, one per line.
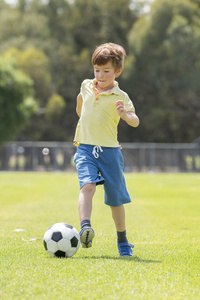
(118,72)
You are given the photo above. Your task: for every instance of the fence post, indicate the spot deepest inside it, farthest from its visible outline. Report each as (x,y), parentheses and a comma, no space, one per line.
(152,157)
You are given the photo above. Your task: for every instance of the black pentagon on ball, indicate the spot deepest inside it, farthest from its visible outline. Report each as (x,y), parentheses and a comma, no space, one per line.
(57,236)
(59,254)
(68,226)
(74,242)
(45,244)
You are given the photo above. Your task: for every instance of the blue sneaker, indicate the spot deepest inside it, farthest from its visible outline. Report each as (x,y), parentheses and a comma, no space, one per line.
(86,236)
(125,249)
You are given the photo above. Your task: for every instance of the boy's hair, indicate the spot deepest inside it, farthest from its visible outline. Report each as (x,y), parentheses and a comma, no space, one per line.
(109,52)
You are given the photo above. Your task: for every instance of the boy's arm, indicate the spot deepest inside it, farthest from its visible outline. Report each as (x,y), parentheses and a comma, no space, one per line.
(79,103)
(131,119)
(129,116)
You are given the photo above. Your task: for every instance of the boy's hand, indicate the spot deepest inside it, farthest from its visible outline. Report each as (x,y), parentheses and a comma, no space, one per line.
(129,116)
(121,109)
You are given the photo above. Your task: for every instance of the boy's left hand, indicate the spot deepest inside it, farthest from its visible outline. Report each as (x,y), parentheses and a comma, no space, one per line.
(121,109)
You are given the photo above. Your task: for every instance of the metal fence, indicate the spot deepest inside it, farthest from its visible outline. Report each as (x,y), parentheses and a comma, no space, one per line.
(138,157)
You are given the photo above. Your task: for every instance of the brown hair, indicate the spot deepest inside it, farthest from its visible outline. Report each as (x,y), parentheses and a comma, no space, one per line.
(109,52)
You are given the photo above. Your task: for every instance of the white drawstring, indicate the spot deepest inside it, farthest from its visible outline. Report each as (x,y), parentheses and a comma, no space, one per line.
(95,151)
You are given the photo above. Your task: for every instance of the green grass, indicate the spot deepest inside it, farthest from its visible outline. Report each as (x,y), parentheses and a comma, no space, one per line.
(163,222)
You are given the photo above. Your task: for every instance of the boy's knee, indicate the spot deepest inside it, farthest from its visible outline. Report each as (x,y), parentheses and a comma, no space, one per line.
(89,188)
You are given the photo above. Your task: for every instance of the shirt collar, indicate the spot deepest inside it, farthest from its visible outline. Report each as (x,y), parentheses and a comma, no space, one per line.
(115,90)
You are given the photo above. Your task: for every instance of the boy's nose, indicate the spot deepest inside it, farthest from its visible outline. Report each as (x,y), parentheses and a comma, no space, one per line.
(100,74)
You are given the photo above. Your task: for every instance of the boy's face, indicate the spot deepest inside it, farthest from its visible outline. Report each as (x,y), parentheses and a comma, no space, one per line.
(105,75)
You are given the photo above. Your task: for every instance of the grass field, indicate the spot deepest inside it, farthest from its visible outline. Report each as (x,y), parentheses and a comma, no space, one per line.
(163,222)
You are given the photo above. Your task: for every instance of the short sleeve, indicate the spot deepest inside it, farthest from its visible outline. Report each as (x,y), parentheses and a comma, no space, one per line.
(128,103)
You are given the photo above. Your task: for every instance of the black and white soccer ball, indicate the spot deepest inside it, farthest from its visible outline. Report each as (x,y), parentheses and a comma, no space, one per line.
(61,240)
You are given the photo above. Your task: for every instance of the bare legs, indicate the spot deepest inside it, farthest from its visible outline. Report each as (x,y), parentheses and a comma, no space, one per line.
(87,233)
(118,214)
(85,207)
(85,201)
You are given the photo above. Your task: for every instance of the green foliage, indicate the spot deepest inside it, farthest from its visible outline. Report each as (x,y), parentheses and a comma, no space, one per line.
(53,43)
(166,71)
(163,223)
(16,102)
(65,33)
(34,63)
(54,107)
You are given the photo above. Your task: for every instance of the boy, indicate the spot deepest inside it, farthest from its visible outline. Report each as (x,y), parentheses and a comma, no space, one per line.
(100,105)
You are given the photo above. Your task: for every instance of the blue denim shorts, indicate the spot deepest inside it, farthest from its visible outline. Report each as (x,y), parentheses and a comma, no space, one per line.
(103,165)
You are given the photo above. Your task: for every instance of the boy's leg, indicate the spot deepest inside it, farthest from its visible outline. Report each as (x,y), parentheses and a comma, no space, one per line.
(85,201)
(124,247)
(85,209)
(118,214)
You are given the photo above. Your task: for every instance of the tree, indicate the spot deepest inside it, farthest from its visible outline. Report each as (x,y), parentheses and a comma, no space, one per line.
(54,41)
(117,19)
(165,72)
(35,64)
(16,100)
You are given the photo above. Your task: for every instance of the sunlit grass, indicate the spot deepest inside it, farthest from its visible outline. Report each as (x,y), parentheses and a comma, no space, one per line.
(163,222)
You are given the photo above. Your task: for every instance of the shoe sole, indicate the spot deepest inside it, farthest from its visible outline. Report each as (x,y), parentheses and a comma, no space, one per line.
(87,237)
(126,255)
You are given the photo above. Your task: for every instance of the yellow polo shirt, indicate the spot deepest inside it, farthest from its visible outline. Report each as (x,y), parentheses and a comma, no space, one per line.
(99,118)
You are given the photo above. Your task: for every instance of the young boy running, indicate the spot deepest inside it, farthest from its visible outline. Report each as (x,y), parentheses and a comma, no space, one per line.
(98,159)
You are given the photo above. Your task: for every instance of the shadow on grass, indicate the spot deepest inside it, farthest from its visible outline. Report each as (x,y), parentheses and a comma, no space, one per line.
(128,258)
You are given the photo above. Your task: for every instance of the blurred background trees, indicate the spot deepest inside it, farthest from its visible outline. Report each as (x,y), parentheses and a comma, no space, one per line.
(16,101)
(50,44)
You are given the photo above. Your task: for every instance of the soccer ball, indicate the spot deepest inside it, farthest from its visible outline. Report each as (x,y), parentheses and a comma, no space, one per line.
(61,240)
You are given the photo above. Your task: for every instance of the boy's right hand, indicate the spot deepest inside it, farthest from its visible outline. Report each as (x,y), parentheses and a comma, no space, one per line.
(119,102)
(120,108)
(129,116)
